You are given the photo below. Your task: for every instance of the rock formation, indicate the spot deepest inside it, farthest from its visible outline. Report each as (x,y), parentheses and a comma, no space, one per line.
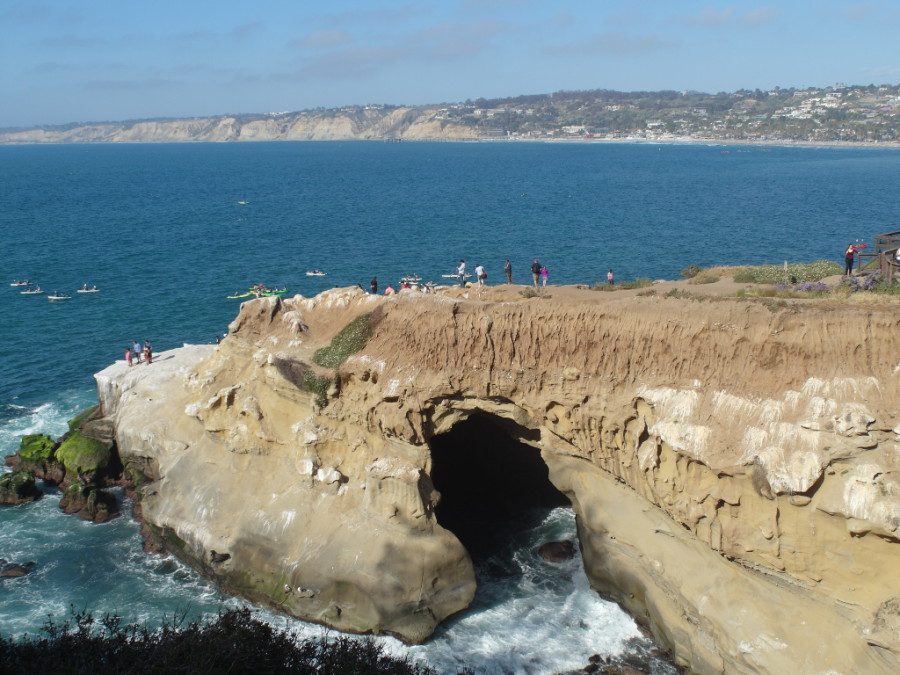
(732,466)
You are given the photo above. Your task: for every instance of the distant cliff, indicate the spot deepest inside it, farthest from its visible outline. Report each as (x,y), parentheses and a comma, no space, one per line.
(362,123)
(848,114)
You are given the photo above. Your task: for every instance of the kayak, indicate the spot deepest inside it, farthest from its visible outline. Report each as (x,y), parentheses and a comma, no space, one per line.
(88,290)
(31,291)
(258,294)
(315,273)
(53,298)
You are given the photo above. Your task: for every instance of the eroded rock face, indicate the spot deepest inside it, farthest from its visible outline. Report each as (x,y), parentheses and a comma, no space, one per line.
(758,446)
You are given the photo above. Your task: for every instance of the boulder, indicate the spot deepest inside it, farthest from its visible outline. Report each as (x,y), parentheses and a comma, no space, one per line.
(14,570)
(557,551)
(81,455)
(18,488)
(37,455)
(88,503)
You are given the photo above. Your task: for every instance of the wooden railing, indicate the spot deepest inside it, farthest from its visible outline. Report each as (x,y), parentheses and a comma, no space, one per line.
(884,256)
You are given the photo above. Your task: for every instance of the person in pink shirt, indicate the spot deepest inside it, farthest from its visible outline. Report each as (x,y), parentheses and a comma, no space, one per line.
(128,356)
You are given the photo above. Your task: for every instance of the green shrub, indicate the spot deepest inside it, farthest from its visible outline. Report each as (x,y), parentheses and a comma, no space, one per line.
(36,447)
(349,340)
(704,279)
(235,642)
(78,453)
(640,282)
(534,293)
(775,274)
(316,384)
(690,271)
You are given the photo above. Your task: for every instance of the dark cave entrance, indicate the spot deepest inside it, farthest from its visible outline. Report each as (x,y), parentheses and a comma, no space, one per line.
(493,486)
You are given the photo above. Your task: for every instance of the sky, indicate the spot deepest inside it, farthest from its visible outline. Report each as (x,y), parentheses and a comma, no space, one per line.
(68,61)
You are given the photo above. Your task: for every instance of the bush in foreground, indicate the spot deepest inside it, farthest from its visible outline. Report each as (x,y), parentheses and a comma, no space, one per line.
(235,642)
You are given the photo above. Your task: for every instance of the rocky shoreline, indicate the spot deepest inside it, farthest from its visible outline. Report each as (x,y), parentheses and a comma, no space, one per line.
(293,463)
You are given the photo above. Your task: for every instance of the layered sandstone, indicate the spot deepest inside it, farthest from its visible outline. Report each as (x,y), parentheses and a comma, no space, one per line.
(733,466)
(351,124)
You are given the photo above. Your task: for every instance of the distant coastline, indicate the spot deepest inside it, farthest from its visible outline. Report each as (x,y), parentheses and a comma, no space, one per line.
(847,116)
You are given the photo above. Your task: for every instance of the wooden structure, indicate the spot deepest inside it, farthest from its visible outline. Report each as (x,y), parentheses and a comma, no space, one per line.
(885,256)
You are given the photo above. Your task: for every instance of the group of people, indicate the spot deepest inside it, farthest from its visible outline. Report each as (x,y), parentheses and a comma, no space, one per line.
(539,273)
(137,353)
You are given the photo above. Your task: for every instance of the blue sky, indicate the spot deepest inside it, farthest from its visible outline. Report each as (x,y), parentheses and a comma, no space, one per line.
(104,60)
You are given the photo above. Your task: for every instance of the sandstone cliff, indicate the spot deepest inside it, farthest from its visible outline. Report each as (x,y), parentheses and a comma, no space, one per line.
(733,467)
(354,124)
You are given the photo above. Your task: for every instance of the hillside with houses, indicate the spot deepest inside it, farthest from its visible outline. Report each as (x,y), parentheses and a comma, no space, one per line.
(840,114)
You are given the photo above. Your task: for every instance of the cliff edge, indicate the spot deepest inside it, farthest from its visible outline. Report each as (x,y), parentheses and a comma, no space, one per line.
(733,466)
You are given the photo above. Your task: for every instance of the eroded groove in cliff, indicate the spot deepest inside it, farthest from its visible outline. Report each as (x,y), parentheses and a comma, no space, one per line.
(493,487)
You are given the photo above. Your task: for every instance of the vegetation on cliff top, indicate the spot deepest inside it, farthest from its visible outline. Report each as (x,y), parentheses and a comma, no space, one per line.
(234,642)
(774,274)
(349,340)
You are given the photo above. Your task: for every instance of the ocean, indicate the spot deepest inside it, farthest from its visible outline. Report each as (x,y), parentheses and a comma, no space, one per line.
(168,231)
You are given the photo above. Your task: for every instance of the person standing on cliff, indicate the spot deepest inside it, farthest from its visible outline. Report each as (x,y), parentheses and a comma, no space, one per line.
(480,274)
(373,285)
(610,279)
(136,350)
(536,271)
(507,268)
(848,260)
(461,273)
(545,274)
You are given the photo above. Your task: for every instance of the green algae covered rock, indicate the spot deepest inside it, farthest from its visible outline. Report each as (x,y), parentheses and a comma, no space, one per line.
(80,454)
(76,422)
(17,488)
(36,448)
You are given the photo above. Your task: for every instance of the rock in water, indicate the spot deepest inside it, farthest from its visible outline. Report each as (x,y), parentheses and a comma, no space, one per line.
(18,488)
(557,551)
(15,570)
(88,503)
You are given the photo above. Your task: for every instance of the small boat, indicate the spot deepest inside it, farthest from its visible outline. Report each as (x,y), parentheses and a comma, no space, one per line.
(23,282)
(243,202)
(85,289)
(32,291)
(411,279)
(58,296)
(454,276)
(315,273)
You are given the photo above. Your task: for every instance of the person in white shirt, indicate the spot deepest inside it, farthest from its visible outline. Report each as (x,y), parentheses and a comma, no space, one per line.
(461,272)
(480,274)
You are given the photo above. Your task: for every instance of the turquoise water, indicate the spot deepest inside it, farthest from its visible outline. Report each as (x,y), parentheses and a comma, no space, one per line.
(161,231)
